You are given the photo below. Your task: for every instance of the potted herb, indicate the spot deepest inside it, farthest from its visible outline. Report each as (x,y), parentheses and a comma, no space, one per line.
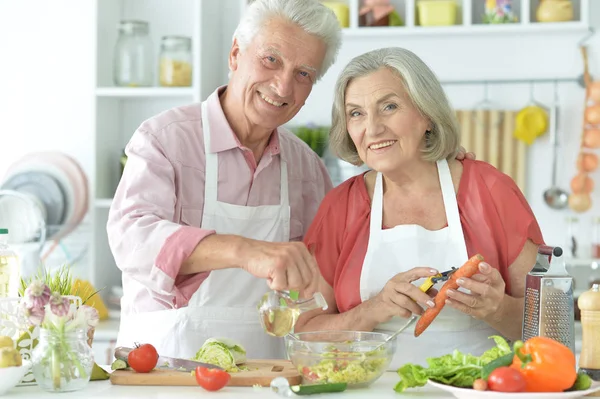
(313,135)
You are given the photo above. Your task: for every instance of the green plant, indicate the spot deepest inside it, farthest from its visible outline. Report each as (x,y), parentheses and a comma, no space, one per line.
(315,136)
(61,282)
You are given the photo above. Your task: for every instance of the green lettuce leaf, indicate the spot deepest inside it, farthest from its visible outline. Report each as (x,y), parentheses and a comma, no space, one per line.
(222,352)
(457,369)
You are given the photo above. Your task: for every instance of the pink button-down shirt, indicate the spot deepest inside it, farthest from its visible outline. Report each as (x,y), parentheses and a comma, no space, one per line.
(155,218)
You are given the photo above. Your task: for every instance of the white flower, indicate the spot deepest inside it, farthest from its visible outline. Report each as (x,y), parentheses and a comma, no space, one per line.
(59,305)
(90,314)
(34,316)
(37,295)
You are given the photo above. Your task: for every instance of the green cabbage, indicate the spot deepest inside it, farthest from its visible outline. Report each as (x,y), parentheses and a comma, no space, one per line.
(223,352)
(456,369)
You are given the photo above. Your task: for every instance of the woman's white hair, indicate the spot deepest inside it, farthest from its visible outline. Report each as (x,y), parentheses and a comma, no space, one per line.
(424,90)
(312,16)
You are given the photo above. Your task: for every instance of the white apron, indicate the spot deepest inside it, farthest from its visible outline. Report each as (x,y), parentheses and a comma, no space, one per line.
(225,303)
(404,247)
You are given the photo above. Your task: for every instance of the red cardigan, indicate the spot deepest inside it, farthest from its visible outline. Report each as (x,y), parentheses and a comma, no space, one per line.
(495,217)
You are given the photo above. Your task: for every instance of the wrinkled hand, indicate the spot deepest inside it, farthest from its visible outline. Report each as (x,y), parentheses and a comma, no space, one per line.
(462,154)
(487,293)
(399,297)
(285,266)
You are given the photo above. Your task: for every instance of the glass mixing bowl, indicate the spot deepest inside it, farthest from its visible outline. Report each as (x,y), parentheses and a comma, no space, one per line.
(340,356)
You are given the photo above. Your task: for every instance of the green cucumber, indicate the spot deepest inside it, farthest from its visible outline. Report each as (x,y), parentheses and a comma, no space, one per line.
(582,382)
(119,364)
(319,388)
(502,361)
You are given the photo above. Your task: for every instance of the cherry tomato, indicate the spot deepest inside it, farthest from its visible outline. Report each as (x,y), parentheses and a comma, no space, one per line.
(143,358)
(211,379)
(506,379)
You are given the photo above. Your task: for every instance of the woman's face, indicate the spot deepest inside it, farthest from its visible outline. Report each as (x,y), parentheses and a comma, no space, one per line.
(386,128)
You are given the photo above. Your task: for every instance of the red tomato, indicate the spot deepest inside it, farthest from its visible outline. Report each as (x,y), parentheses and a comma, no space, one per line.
(211,379)
(143,358)
(309,375)
(506,379)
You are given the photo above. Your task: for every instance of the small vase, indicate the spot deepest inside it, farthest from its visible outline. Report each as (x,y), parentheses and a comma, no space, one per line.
(62,361)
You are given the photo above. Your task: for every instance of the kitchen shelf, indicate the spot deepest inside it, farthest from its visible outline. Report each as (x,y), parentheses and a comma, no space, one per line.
(516,28)
(129,92)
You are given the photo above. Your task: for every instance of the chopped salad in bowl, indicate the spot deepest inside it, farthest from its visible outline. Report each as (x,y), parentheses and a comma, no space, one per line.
(340,356)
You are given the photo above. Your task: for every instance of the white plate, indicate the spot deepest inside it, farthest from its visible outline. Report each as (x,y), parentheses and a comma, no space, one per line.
(465,393)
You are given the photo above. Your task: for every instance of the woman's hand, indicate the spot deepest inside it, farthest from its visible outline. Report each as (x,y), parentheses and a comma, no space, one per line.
(399,297)
(463,154)
(486,297)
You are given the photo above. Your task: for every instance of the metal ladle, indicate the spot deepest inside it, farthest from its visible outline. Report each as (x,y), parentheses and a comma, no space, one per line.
(555,197)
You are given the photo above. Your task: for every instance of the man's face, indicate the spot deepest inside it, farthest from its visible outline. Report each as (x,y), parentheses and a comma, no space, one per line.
(274,75)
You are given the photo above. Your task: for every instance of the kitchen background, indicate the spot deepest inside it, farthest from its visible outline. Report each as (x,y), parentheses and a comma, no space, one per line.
(57,93)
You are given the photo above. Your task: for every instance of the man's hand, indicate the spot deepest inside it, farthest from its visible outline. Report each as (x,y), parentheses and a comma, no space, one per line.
(463,154)
(285,266)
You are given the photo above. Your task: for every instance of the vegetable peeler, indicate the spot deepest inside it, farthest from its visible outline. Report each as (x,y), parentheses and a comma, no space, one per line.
(431,281)
(426,286)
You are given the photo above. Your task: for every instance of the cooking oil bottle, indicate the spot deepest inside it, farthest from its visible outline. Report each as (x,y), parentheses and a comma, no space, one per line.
(10,275)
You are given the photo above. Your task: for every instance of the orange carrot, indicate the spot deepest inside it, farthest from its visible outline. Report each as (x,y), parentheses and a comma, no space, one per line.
(467,270)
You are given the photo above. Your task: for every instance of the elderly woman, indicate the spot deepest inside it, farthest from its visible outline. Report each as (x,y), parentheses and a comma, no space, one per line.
(419,211)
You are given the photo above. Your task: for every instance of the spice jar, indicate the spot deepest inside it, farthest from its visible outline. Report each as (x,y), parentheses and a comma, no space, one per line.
(176,61)
(133,62)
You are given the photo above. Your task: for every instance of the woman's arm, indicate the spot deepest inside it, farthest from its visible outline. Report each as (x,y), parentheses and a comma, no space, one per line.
(508,320)
(361,318)
(399,297)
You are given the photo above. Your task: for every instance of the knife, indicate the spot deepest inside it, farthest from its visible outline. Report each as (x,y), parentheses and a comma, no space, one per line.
(168,363)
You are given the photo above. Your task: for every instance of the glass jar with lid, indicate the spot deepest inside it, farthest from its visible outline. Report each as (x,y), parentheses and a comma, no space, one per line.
(175,61)
(133,62)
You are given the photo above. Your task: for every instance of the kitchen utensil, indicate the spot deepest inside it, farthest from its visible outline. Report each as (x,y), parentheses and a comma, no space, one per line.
(168,363)
(258,372)
(11,376)
(341,356)
(43,186)
(555,197)
(589,360)
(549,306)
(279,312)
(426,286)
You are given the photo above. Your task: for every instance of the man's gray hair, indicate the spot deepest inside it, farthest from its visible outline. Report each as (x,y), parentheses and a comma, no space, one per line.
(312,16)
(424,90)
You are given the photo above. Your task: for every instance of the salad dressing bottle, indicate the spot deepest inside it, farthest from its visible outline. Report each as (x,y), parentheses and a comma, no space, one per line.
(589,360)
(10,275)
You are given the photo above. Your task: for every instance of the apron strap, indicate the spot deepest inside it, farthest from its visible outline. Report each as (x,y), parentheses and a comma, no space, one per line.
(211,166)
(377,206)
(451,207)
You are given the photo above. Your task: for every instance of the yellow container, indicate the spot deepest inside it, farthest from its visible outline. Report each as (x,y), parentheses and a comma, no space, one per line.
(436,12)
(341,11)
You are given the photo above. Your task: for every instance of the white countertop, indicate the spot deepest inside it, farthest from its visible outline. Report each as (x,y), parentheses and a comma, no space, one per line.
(382,388)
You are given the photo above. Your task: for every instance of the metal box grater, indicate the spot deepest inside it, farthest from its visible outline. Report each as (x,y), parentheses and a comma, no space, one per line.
(549,309)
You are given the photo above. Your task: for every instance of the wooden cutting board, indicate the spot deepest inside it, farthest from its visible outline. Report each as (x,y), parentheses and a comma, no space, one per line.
(259,372)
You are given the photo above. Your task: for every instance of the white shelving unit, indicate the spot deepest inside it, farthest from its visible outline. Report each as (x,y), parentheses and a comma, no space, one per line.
(120,110)
(210,24)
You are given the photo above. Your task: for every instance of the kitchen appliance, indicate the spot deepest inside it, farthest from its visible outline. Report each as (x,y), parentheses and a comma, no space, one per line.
(259,372)
(549,307)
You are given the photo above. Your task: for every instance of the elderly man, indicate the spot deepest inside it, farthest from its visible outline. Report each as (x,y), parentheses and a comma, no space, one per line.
(216,197)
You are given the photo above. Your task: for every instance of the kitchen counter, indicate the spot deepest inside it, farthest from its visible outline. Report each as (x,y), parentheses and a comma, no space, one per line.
(382,388)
